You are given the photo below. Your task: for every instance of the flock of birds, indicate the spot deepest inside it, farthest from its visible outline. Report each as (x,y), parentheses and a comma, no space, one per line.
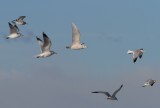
(46,43)
(46,51)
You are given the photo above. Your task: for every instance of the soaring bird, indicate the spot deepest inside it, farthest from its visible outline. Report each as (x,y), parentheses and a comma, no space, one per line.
(149,82)
(136,54)
(19,20)
(45,47)
(111,97)
(14,32)
(76,44)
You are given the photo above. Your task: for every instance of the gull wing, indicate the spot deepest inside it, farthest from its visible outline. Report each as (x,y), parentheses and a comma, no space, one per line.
(13,28)
(114,94)
(21,18)
(140,54)
(40,42)
(135,55)
(75,34)
(47,42)
(151,82)
(103,92)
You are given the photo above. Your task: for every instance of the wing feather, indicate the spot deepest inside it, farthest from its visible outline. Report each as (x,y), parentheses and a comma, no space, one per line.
(75,34)
(40,42)
(114,94)
(47,42)
(103,92)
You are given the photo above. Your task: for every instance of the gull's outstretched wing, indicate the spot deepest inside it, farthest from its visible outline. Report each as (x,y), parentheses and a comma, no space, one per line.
(21,17)
(13,28)
(114,94)
(47,42)
(75,34)
(151,82)
(103,92)
(135,55)
(40,42)
(140,54)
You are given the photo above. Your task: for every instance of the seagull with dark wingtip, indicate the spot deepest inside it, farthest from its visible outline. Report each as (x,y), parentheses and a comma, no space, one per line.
(45,47)
(76,44)
(109,96)
(20,20)
(149,82)
(136,54)
(14,32)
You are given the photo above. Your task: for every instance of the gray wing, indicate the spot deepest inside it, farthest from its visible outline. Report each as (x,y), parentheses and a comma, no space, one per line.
(21,17)
(151,82)
(140,54)
(40,42)
(135,55)
(114,94)
(103,92)
(13,28)
(75,34)
(47,42)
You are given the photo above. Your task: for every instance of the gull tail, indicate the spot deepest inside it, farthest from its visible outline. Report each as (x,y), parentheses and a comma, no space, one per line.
(129,52)
(68,47)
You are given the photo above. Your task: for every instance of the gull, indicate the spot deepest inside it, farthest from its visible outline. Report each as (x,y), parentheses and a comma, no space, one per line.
(14,32)
(20,21)
(149,82)
(136,54)
(45,47)
(111,97)
(76,45)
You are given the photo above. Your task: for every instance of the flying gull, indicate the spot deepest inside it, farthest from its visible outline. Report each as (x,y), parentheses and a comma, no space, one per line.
(149,82)
(111,97)
(136,54)
(20,21)
(76,45)
(45,47)
(14,32)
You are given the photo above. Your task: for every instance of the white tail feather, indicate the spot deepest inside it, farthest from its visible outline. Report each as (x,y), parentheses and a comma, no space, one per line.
(129,52)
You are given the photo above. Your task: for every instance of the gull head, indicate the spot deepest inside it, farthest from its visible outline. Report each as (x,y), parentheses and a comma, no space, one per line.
(52,52)
(19,34)
(141,50)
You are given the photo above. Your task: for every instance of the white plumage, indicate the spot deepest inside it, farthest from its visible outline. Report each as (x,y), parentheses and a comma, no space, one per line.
(76,44)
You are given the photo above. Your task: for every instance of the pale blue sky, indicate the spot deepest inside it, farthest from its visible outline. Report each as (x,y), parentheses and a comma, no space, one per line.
(108,27)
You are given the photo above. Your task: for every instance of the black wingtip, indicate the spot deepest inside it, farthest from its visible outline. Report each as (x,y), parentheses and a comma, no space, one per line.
(44,34)
(38,38)
(9,23)
(141,48)
(134,60)
(94,92)
(67,47)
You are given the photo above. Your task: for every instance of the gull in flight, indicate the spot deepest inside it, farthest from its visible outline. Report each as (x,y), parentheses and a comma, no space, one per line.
(76,45)
(149,82)
(14,32)
(111,97)
(136,54)
(45,47)
(20,21)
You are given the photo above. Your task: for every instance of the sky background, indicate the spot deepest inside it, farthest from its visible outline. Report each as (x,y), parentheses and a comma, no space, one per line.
(108,27)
